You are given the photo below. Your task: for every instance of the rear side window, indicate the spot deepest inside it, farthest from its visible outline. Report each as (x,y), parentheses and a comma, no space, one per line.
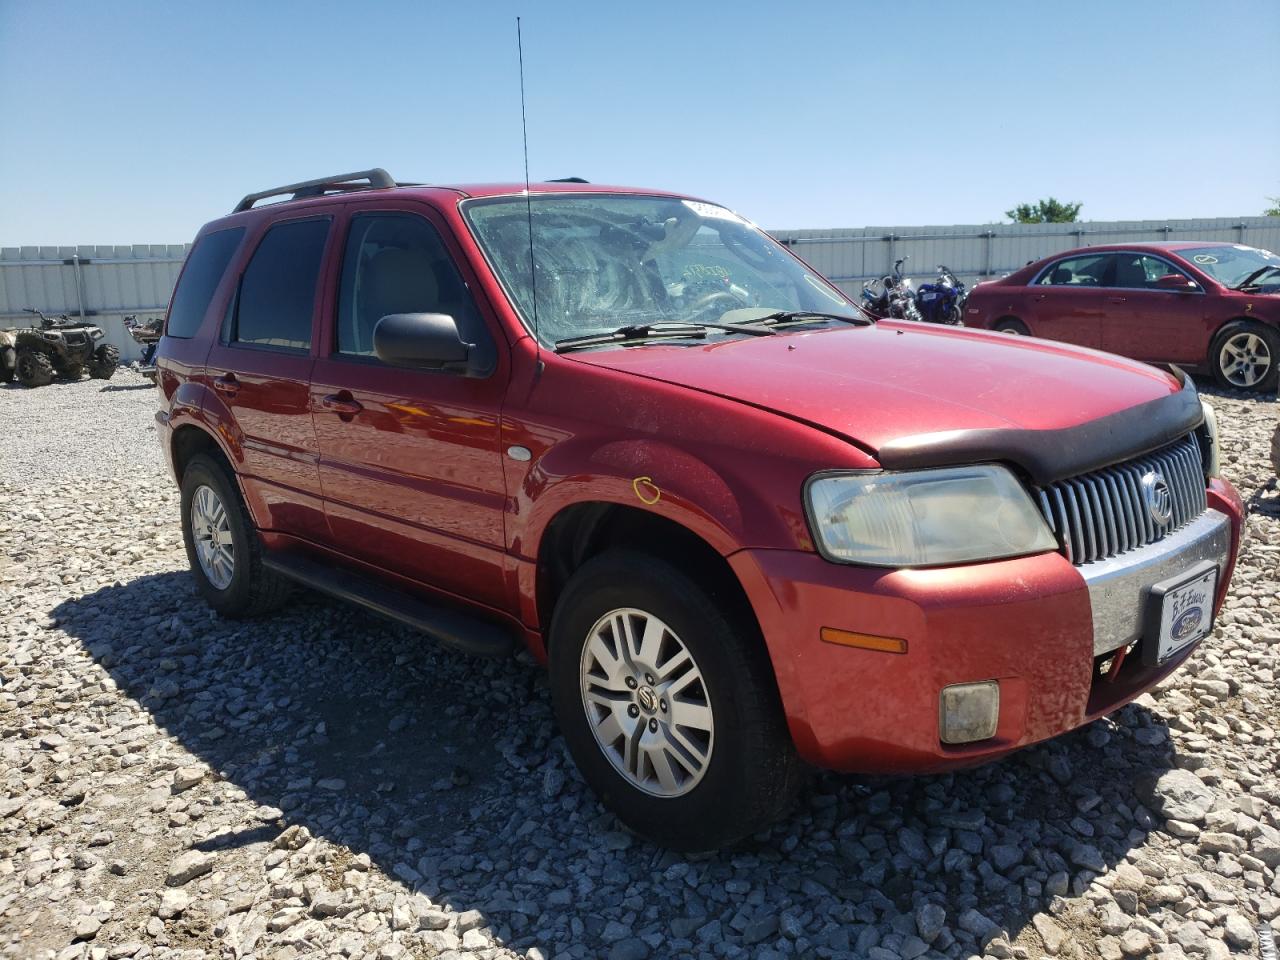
(278,289)
(206,264)
(1092,270)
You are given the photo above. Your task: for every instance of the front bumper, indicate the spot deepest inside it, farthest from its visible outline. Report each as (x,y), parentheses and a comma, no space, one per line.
(1036,625)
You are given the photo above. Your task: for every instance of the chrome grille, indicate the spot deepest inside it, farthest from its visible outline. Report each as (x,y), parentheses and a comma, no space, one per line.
(1100,514)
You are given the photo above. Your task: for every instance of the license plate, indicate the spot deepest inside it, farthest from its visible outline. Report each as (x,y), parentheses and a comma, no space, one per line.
(928,296)
(1185,610)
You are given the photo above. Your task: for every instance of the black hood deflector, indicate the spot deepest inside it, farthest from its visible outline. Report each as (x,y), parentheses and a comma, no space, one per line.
(1051,455)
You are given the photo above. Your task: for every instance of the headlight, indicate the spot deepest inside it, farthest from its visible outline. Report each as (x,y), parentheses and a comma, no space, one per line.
(96,334)
(925,518)
(1213,451)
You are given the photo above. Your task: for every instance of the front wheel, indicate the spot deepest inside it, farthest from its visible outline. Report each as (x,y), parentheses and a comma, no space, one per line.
(105,360)
(1246,356)
(668,704)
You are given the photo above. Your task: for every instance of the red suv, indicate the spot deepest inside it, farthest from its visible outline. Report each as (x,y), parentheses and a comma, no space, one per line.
(744,525)
(1211,307)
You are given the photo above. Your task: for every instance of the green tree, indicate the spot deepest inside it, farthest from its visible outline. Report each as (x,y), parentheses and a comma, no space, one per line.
(1045,211)
(1274,209)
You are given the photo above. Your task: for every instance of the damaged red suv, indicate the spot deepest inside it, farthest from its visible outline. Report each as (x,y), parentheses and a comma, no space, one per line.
(745,527)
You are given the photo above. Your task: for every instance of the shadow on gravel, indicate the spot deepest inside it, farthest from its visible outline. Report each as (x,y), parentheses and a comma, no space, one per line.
(115,387)
(447,772)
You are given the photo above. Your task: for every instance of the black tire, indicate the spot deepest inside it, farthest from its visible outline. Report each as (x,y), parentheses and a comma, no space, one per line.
(253,590)
(34,369)
(8,360)
(1250,339)
(752,772)
(1012,326)
(105,360)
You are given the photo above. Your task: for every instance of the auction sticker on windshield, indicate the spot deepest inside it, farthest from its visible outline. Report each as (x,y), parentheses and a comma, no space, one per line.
(1186,610)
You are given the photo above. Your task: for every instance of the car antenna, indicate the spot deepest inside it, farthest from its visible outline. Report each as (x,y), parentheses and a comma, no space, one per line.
(528,200)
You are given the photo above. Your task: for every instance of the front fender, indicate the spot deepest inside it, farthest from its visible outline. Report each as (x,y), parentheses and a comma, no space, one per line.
(649,475)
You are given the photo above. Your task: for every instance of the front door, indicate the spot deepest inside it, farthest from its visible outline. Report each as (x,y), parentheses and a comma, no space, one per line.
(409,459)
(1155,324)
(260,368)
(1069,300)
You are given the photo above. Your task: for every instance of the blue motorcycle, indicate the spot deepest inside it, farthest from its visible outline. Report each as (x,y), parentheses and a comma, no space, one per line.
(943,300)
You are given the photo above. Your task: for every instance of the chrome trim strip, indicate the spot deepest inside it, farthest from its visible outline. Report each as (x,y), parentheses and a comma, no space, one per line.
(1118,586)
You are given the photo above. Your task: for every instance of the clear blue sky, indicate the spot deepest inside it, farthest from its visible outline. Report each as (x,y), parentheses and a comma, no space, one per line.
(131,122)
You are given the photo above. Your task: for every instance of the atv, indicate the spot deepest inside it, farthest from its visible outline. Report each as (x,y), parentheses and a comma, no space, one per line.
(60,347)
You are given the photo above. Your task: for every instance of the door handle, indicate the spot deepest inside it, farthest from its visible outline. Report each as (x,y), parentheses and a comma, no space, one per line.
(342,404)
(1040,297)
(226,384)
(1115,299)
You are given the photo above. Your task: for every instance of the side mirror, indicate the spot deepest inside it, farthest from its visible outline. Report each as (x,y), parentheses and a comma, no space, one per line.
(430,341)
(1177,282)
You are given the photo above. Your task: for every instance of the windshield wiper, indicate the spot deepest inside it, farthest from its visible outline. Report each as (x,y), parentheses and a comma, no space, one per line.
(662,330)
(1256,275)
(802,316)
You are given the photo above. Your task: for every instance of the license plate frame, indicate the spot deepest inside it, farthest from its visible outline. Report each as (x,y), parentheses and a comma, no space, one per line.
(1180,612)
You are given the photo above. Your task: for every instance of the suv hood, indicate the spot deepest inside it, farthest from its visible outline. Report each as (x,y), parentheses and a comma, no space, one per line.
(894,388)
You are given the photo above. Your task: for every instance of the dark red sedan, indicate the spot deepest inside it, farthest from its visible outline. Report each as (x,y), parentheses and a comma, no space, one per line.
(1211,307)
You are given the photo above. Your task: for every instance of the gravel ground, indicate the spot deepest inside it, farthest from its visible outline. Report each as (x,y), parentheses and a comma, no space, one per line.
(325,784)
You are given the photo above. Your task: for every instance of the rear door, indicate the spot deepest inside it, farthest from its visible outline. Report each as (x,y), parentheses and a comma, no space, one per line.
(409,458)
(1069,299)
(261,370)
(1155,324)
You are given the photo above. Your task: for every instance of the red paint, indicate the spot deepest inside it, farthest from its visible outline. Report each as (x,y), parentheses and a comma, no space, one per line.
(1158,323)
(404,474)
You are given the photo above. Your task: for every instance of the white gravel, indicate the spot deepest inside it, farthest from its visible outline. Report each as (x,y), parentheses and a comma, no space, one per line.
(173,785)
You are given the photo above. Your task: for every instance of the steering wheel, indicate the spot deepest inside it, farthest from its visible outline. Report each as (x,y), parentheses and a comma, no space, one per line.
(707,301)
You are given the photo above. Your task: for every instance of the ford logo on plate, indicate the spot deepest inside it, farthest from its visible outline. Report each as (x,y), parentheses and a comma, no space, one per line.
(1187,623)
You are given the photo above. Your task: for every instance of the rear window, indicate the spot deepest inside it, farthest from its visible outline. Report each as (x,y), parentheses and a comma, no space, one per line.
(206,264)
(278,290)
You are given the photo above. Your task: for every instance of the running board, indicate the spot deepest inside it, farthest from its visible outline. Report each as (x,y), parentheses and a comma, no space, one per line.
(460,631)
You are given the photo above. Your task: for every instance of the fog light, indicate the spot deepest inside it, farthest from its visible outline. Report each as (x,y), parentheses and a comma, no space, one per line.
(969,711)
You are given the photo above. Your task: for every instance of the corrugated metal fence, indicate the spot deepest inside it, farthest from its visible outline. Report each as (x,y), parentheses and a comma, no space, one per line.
(103,284)
(106,283)
(979,252)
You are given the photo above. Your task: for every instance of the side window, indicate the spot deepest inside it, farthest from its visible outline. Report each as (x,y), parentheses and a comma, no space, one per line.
(397,263)
(1087,271)
(206,264)
(278,289)
(1145,273)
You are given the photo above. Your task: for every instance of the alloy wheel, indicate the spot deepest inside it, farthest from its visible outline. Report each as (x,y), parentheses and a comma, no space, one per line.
(646,702)
(211,531)
(1245,359)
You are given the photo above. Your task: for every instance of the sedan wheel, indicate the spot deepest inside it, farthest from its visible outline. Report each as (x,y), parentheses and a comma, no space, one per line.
(211,531)
(646,704)
(1245,359)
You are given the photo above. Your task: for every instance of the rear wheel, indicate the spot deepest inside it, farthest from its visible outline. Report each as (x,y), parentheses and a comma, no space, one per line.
(222,545)
(8,360)
(1246,356)
(668,704)
(1012,326)
(105,360)
(34,369)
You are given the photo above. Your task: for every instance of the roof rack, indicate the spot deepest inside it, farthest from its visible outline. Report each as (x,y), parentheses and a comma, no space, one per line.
(568,180)
(377,178)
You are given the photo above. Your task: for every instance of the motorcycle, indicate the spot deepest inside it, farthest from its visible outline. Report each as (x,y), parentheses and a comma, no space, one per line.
(147,334)
(943,300)
(891,295)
